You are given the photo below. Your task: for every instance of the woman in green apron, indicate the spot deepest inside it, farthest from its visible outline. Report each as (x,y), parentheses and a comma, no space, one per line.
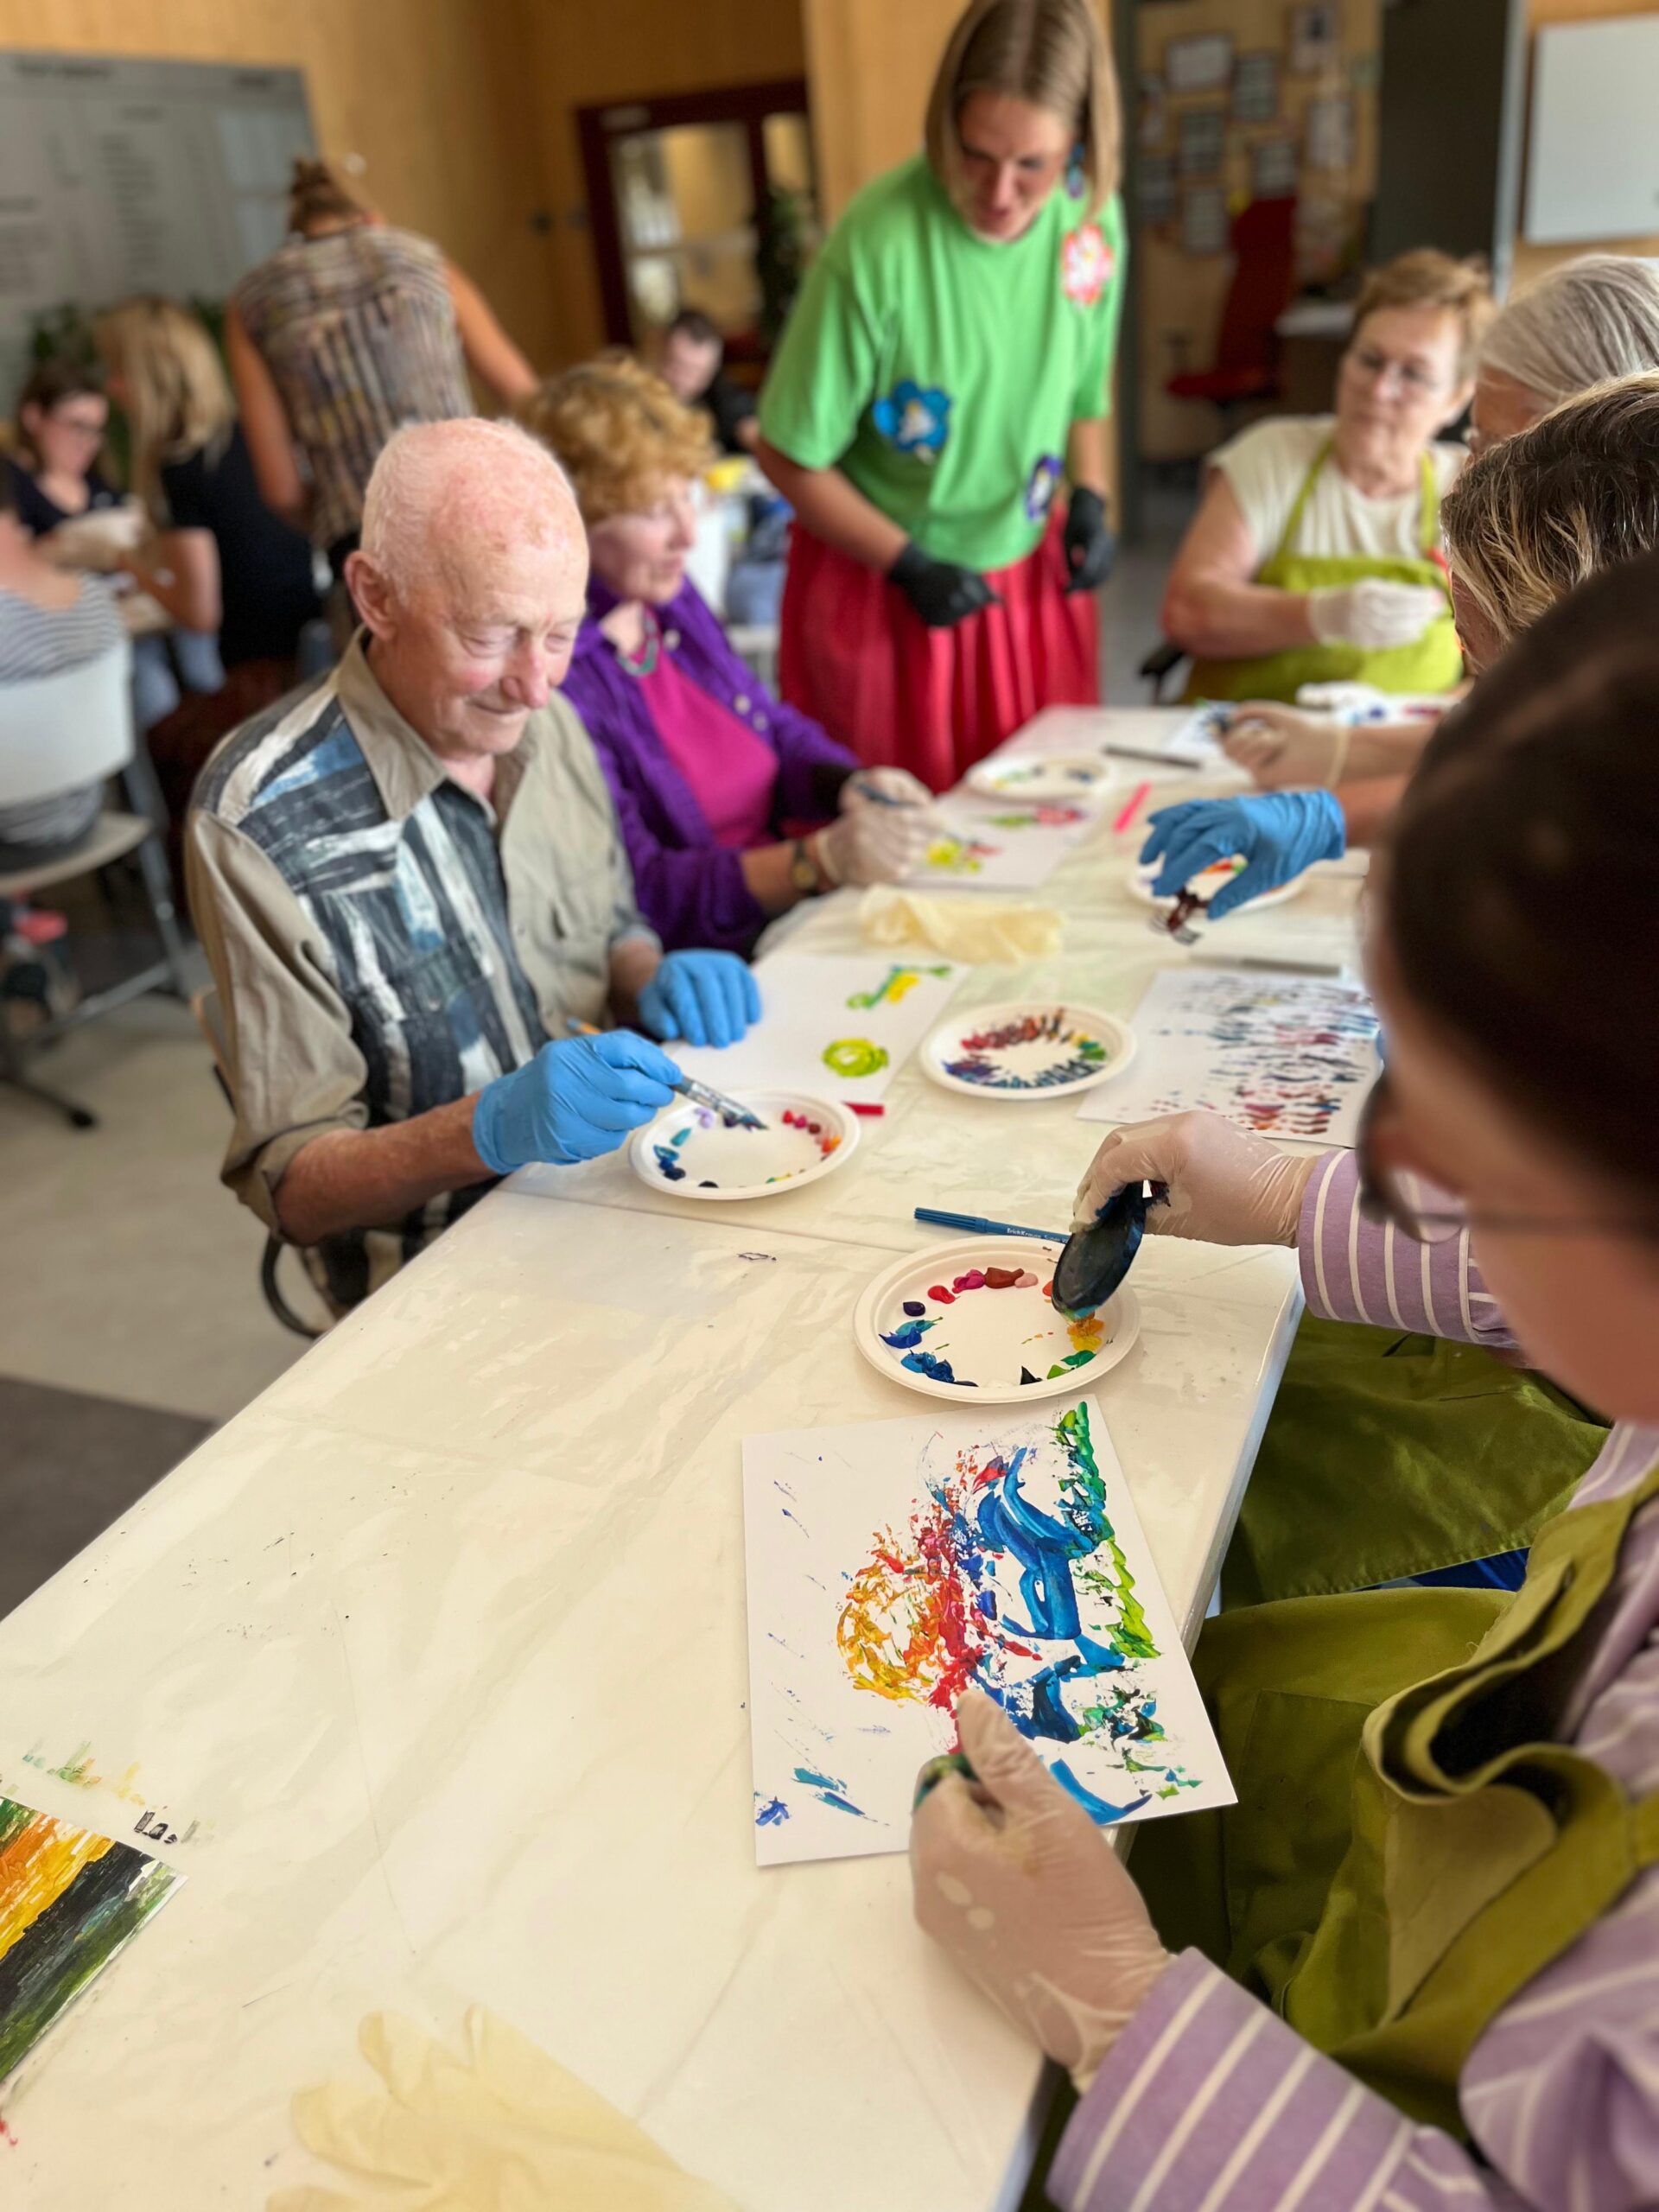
(1314,556)
(1418,1964)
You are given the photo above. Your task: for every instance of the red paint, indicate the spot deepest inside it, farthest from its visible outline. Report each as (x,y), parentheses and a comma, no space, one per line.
(6,2135)
(1137,800)
(1002,1277)
(858,1106)
(941,1296)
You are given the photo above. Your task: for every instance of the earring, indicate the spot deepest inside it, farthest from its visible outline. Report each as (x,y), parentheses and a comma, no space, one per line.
(1076,178)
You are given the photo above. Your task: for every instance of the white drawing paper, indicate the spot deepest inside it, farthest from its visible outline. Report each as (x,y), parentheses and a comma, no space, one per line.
(1000,844)
(832,1026)
(1285,1055)
(892,1564)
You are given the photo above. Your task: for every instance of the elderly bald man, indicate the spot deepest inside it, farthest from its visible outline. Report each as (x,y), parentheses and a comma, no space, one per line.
(409,879)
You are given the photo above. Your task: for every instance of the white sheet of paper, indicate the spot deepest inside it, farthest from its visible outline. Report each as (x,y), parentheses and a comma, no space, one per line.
(1187,737)
(1286,1056)
(1008,845)
(1016,1529)
(869,1011)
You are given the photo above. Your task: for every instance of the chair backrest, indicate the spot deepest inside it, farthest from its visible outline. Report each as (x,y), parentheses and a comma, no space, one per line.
(1264,277)
(58,732)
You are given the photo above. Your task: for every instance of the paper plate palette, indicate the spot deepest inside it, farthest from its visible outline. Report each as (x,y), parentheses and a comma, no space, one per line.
(687,1150)
(1030,1048)
(1082,778)
(1208,881)
(970,1321)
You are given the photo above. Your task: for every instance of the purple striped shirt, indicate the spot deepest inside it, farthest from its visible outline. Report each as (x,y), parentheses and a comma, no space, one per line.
(1208,2102)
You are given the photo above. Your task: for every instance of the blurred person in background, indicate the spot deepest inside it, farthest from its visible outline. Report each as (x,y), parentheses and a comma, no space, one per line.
(693,369)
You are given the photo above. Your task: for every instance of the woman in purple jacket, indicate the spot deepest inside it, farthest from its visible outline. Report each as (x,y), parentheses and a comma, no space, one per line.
(718,786)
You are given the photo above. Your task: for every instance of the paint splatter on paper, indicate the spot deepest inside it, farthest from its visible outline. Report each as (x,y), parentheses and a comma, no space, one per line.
(959,856)
(1005,1558)
(1002,849)
(1289,1055)
(897,983)
(69,1900)
(853,1056)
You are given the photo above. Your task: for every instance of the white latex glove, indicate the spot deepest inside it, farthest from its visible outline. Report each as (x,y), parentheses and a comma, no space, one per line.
(1281,748)
(1374,613)
(874,844)
(871,786)
(1223,1186)
(499,2127)
(1014,1879)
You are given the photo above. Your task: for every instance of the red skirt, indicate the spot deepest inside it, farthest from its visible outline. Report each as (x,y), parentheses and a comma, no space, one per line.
(854,655)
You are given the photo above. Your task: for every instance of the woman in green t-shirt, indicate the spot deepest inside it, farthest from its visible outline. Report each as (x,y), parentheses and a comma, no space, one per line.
(946,368)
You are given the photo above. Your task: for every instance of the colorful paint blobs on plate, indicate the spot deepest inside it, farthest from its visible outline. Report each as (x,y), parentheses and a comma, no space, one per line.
(1291,1056)
(696,1154)
(1026,1051)
(69,1900)
(1060,777)
(854,1057)
(893,1567)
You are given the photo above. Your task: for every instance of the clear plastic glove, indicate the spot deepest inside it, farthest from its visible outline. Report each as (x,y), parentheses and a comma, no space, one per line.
(708,998)
(884,787)
(1090,542)
(941,592)
(1374,613)
(1219,1184)
(1014,1879)
(874,844)
(1281,748)
(499,2126)
(576,1100)
(1279,836)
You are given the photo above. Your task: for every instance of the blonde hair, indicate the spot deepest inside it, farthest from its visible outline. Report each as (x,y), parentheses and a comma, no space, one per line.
(318,193)
(620,431)
(1052,52)
(1428,279)
(1592,320)
(1538,514)
(176,397)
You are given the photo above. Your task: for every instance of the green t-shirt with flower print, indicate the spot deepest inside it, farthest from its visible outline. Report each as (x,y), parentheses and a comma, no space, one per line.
(941,371)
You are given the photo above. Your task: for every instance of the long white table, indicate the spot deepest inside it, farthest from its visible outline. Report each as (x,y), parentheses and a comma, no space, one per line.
(434,1659)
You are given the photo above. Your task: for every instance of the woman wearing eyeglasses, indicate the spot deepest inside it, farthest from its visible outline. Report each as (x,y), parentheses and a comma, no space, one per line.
(1417,1965)
(1314,556)
(61,417)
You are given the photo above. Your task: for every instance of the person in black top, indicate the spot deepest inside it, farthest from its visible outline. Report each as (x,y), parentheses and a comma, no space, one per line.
(61,416)
(694,354)
(221,561)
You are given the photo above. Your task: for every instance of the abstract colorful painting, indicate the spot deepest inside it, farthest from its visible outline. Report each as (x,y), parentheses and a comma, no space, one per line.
(836,1027)
(1004,849)
(893,1565)
(1286,1055)
(68,1900)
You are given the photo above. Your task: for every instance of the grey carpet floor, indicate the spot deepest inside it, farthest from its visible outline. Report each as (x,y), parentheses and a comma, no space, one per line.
(69,1466)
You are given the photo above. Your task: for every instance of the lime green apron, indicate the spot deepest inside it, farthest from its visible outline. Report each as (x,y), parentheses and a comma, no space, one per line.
(1401,1861)
(1391,1454)
(1433,663)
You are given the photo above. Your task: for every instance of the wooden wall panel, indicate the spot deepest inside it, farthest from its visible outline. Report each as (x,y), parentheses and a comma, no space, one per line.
(870,64)
(432,93)
(1532,260)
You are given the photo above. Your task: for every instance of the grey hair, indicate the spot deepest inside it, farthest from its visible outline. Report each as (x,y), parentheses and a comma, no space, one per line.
(1587,322)
(434,478)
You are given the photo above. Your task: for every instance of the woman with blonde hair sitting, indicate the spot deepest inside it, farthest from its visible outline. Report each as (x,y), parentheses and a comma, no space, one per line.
(718,785)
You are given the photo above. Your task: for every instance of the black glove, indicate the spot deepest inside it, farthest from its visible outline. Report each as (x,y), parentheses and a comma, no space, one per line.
(1090,545)
(941,592)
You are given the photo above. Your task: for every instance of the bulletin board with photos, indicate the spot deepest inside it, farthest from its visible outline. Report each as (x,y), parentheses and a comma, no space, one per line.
(1242,101)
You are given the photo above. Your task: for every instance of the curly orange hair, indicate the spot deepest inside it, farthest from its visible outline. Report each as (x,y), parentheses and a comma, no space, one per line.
(619,432)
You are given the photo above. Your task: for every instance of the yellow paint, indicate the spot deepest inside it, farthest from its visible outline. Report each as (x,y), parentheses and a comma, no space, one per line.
(36,1871)
(1086,1334)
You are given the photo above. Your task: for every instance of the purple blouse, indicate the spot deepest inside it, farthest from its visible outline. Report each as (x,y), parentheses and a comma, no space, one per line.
(691,890)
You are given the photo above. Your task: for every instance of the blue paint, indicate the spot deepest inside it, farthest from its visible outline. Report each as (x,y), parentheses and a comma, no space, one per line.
(1098,1808)
(914,1306)
(771,1815)
(907,1335)
(936,1370)
(828,1789)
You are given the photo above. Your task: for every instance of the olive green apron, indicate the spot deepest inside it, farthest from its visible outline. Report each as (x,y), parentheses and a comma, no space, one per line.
(1432,663)
(1389,1453)
(1401,1861)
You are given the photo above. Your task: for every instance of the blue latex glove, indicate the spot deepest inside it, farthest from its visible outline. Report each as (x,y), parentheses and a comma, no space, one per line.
(708,998)
(574,1101)
(1279,833)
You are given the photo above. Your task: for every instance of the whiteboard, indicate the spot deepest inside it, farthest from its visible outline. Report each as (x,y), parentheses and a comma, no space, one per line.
(122,176)
(1593,169)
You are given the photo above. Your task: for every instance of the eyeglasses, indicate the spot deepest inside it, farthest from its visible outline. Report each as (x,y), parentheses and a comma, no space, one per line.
(1375,366)
(1423,1210)
(82,426)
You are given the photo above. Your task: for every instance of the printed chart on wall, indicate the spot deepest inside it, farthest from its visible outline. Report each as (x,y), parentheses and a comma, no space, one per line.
(1286,1055)
(893,1565)
(837,1027)
(69,1900)
(1013,847)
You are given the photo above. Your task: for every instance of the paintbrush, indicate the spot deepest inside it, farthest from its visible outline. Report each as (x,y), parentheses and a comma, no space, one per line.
(732,1116)
(977,1225)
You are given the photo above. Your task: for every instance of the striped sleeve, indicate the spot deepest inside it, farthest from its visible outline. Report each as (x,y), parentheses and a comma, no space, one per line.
(1210,2101)
(1358,1270)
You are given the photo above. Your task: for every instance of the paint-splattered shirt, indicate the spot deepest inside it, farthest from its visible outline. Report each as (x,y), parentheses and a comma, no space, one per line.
(383,940)
(1208,2098)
